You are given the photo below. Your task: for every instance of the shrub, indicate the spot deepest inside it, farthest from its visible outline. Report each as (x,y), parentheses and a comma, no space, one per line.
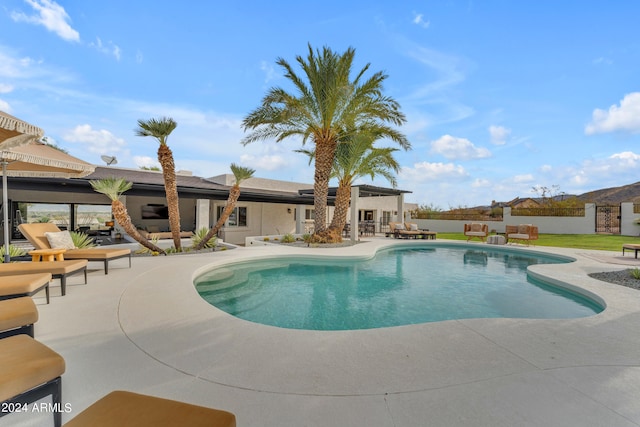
(199,235)
(288,238)
(635,273)
(266,239)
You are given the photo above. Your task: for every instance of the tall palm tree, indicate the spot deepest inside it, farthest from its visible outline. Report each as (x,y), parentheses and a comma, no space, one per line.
(160,129)
(326,108)
(241,174)
(355,159)
(113,189)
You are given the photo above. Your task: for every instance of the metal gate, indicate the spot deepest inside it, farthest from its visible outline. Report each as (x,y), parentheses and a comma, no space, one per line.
(608,219)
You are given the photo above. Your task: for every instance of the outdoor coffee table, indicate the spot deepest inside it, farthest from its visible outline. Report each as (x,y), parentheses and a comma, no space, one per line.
(47,255)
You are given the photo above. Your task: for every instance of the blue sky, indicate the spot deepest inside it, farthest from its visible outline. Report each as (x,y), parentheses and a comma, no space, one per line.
(500,96)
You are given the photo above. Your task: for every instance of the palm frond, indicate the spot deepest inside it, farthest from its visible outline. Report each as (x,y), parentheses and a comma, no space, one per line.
(111,187)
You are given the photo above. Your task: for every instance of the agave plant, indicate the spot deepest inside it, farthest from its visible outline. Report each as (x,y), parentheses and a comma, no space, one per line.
(81,240)
(14,252)
(200,235)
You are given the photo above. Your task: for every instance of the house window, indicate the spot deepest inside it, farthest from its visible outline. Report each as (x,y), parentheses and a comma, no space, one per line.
(309,214)
(238,217)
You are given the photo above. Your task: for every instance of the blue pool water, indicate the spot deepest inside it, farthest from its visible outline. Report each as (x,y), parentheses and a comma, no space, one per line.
(399,286)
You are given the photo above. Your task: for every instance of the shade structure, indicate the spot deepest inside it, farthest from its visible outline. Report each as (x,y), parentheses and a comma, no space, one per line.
(15,132)
(37,160)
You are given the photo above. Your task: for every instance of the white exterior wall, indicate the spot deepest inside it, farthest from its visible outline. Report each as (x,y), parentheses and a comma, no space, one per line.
(628,225)
(546,224)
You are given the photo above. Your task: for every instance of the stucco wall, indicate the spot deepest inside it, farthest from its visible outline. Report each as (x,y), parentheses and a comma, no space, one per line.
(548,225)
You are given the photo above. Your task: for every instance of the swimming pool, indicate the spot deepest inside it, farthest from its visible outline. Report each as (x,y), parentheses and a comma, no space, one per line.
(399,286)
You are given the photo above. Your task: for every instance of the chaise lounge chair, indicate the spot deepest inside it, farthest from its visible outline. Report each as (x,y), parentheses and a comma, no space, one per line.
(476,230)
(29,371)
(126,409)
(410,231)
(24,285)
(57,269)
(36,235)
(17,316)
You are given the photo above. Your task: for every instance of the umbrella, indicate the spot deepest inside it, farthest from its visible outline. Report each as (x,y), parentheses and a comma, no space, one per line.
(36,160)
(14,132)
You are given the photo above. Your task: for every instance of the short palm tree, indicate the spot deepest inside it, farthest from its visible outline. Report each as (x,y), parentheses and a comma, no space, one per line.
(160,129)
(241,174)
(355,159)
(326,107)
(113,189)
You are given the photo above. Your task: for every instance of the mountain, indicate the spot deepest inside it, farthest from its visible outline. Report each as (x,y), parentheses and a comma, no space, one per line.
(613,196)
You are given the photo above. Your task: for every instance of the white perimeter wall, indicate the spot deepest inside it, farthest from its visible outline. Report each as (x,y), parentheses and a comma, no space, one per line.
(546,224)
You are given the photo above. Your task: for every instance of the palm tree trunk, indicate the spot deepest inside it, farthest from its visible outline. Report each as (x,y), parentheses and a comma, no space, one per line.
(165,157)
(234,194)
(343,197)
(325,152)
(122,217)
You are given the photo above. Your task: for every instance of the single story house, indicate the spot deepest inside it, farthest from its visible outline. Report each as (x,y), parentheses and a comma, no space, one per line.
(265,206)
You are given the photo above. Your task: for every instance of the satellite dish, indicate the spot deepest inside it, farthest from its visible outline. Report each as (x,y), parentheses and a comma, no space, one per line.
(109,160)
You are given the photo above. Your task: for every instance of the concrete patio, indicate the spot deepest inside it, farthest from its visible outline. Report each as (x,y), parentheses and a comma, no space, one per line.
(146,330)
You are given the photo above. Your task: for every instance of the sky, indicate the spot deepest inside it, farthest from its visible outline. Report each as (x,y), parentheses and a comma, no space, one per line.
(500,96)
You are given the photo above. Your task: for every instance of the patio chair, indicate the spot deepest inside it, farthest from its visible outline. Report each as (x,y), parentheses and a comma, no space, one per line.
(126,409)
(476,230)
(57,269)
(29,371)
(17,316)
(24,285)
(521,233)
(36,234)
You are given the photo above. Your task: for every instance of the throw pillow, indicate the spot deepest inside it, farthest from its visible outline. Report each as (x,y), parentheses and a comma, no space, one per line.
(414,227)
(60,240)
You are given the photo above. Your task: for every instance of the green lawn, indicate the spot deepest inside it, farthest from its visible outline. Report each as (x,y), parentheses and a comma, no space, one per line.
(603,242)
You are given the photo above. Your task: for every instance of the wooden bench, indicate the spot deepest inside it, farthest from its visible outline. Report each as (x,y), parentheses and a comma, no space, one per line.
(631,247)
(29,371)
(126,409)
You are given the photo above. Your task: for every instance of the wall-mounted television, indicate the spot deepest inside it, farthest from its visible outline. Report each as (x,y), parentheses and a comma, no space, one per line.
(155,212)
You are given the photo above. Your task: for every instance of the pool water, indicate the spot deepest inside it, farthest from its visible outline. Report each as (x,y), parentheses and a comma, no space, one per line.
(399,286)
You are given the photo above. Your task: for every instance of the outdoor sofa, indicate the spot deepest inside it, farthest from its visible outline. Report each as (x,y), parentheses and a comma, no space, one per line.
(39,235)
(521,233)
(409,230)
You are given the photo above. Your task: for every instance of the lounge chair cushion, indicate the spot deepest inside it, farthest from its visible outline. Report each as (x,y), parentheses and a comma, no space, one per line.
(53,267)
(17,312)
(60,240)
(126,409)
(25,363)
(94,254)
(23,283)
(476,228)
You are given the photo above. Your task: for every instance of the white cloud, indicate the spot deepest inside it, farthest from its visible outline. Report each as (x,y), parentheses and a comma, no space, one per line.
(95,141)
(269,71)
(602,60)
(426,171)
(519,179)
(109,49)
(266,162)
(4,106)
(50,15)
(481,183)
(499,134)
(458,148)
(418,19)
(5,88)
(546,168)
(623,118)
(146,161)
